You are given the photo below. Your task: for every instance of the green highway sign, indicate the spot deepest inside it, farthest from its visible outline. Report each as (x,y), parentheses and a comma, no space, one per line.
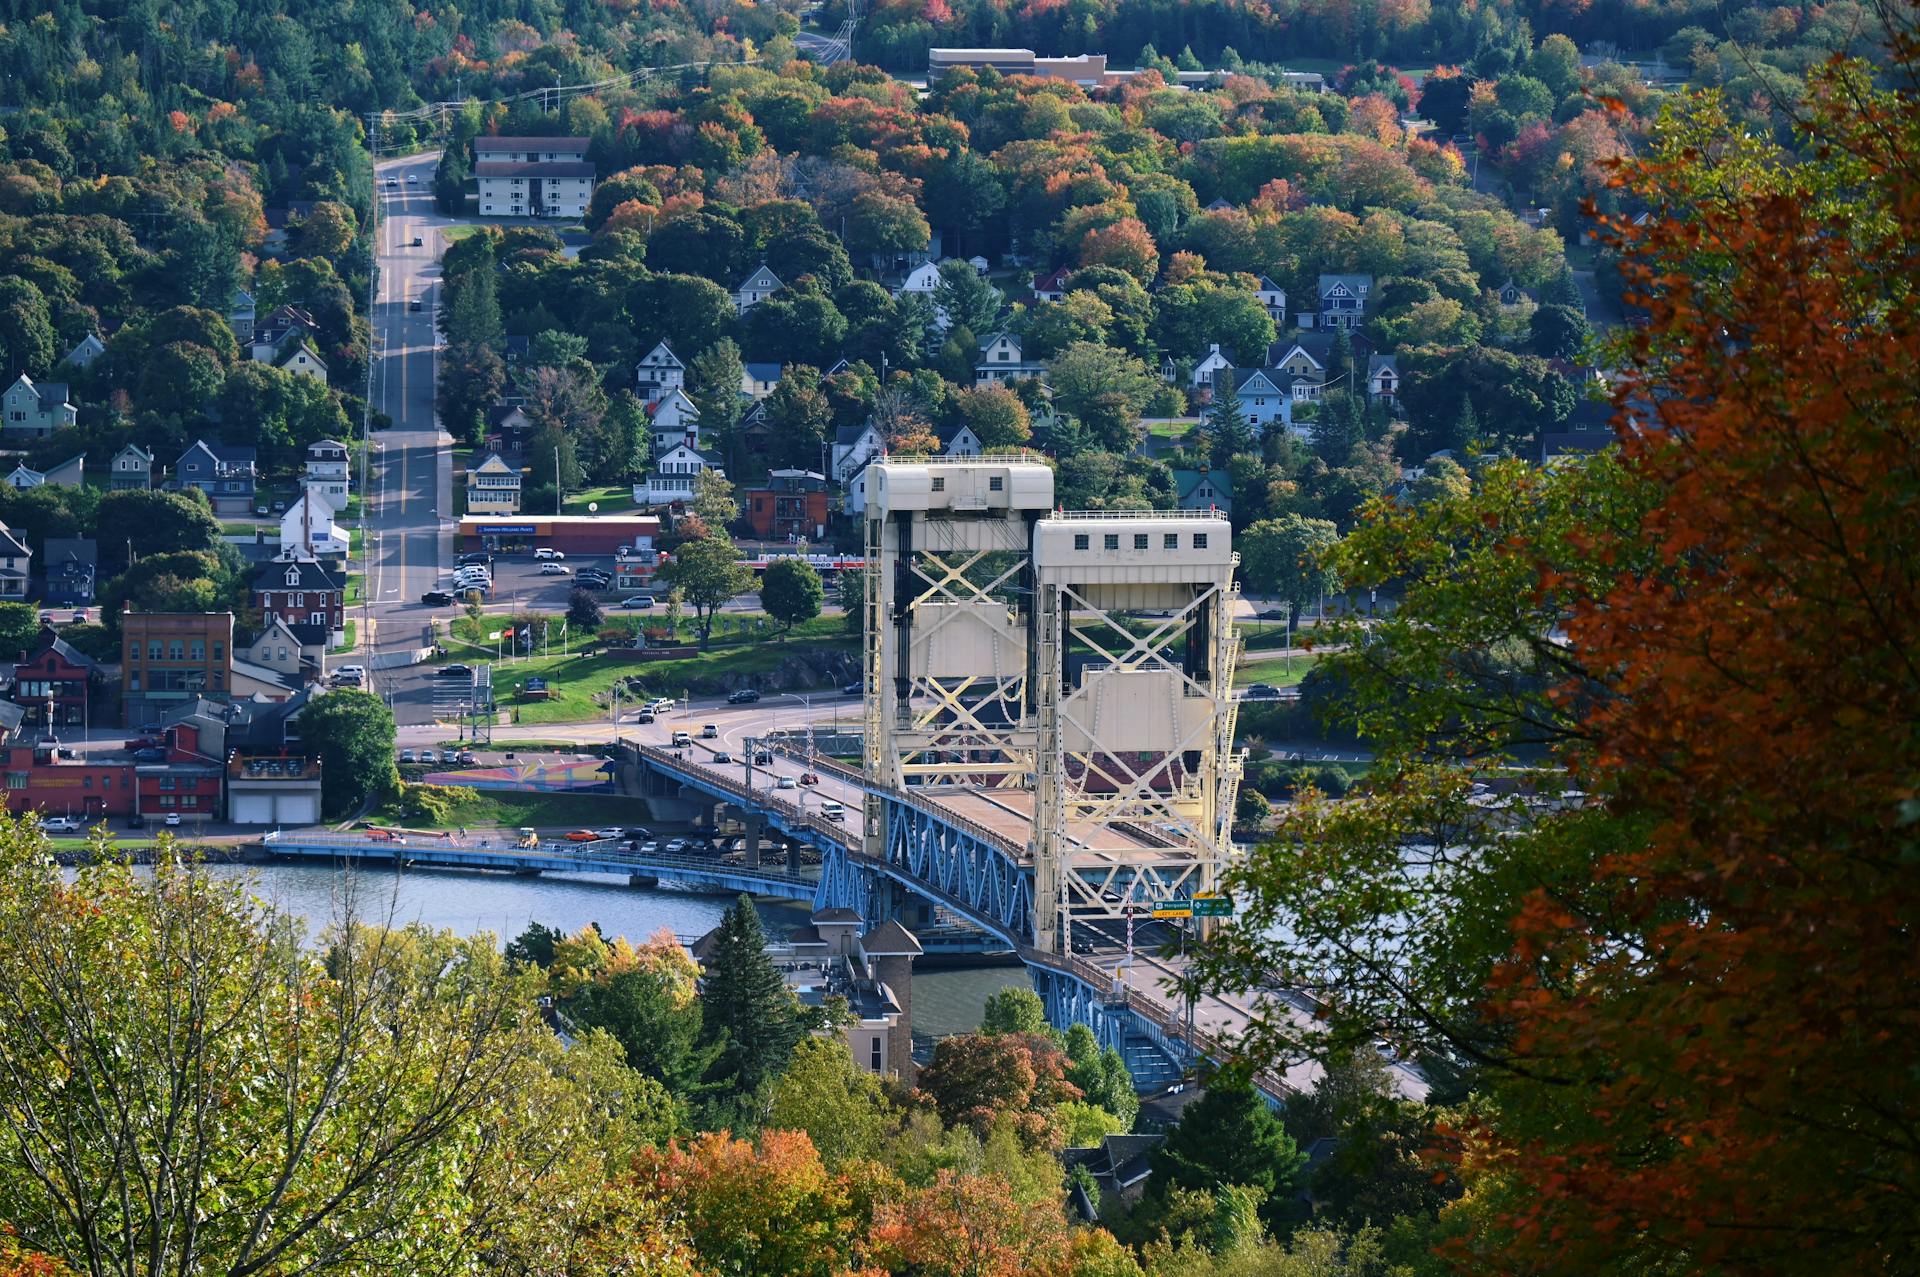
(1177,907)
(1213,906)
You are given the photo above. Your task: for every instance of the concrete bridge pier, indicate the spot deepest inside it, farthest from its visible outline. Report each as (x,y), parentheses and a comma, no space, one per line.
(754,822)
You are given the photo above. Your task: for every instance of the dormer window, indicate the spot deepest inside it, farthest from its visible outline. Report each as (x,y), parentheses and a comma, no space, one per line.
(293,576)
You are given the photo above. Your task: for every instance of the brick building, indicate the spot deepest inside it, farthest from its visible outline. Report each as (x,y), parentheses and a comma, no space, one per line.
(792,505)
(170,658)
(52,682)
(301,592)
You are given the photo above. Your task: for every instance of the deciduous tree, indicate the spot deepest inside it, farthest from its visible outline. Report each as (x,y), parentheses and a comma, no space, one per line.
(791,592)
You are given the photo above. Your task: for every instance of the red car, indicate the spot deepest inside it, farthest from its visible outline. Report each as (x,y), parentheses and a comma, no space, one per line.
(809,778)
(583,835)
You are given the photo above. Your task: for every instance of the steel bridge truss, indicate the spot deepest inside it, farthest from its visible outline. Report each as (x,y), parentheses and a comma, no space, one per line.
(928,854)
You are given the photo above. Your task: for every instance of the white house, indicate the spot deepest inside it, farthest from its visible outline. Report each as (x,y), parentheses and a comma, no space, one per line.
(132,467)
(16,564)
(1383,378)
(755,288)
(84,352)
(547,177)
(1210,367)
(308,529)
(70,473)
(240,315)
(493,487)
(1273,297)
(328,463)
(853,447)
(1261,399)
(673,475)
(923,278)
(34,412)
(853,499)
(673,419)
(960,441)
(1001,359)
(1051,287)
(659,371)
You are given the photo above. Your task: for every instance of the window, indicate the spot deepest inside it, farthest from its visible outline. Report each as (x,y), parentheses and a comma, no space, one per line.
(940,484)
(996,484)
(219,651)
(176,650)
(1111,541)
(86,782)
(1171,541)
(1139,540)
(876,1053)
(153,650)
(197,650)
(1079,540)
(133,680)
(1199,540)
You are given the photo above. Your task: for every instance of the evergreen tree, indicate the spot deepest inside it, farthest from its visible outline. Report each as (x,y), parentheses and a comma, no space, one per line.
(1338,428)
(713,383)
(1230,1137)
(474,315)
(748,1012)
(1340,361)
(1229,433)
(1465,435)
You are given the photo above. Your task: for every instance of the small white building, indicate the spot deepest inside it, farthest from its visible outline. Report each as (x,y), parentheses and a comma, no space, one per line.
(755,288)
(302,360)
(70,473)
(1274,298)
(659,371)
(328,466)
(84,352)
(1213,368)
(673,419)
(493,487)
(542,177)
(853,448)
(758,378)
(308,529)
(1002,359)
(673,474)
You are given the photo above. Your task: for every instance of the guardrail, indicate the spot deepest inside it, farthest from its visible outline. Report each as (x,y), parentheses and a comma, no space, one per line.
(763,799)
(562,855)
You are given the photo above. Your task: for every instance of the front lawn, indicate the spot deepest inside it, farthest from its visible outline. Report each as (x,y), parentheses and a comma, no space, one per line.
(347,644)
(608,499)
(1273,670)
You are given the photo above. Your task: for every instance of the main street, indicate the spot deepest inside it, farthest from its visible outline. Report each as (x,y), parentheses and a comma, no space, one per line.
(409,534)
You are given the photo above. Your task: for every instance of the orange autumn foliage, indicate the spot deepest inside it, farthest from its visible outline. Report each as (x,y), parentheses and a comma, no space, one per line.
(970,1226)
(1733,1032)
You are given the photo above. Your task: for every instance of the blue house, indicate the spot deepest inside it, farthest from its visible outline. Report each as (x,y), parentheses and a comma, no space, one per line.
(1261,399)
(227,475)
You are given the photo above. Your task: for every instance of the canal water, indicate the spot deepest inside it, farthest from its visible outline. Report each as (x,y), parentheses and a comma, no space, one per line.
(469,902)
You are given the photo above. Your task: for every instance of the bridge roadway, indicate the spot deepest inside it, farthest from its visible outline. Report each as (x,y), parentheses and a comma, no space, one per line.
(1129,1000)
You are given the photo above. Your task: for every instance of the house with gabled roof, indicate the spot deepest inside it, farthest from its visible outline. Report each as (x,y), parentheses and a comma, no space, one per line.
(959,441)
(853,448)
(240,315)
(1262,398)
(132,467)
(673,474)
(84,352)
(70,473)
(70,570)
(493,487)
(756,288)
(1052,286)
(1213,368)
(658,372)
(1343,302)
(309,528)
(35,411)
(1203,490)
(286,325)
(302,360)
(759,377)
(1383,378)
(672,419)
(1511,296)
(1002,358)
(226,473)
(16,565)
(1273,297)
(303,591)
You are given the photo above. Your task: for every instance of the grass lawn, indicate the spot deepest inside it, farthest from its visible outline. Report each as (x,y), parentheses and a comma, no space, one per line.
(608,499)
(575,680)
(1165,429)
(1273,670)
(350,642)
(355,536)
(476,808)
(356,586)
(454,234)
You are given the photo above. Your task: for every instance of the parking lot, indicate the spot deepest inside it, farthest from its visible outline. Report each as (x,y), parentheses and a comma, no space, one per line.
(519,583)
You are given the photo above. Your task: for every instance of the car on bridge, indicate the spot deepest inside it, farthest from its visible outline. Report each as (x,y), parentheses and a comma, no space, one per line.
(722,756)
(853,689)
(585,835)
(836,812)
(416,305)
(709,731)
(745,696)
(762,758)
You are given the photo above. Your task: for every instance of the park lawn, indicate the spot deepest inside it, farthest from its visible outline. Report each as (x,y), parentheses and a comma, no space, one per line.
(481,809)
(1165,429)
(347,644)
(356,587)
(1274,670)
(608,499)
(455,233)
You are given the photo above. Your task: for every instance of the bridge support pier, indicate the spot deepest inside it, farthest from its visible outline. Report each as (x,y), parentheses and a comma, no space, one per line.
(753,821)
(642,880)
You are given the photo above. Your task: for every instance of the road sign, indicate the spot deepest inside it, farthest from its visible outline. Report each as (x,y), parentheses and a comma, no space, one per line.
(1174,907)
(1212,906)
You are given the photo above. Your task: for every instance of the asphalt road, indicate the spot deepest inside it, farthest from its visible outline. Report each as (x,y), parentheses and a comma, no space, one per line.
(408,544)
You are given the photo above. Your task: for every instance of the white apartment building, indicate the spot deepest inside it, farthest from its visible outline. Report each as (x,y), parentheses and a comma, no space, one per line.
(544,177)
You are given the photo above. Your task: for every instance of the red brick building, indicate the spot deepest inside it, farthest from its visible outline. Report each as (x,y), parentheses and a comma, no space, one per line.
(301,592)
(792,506)
(52,676)
(40,779)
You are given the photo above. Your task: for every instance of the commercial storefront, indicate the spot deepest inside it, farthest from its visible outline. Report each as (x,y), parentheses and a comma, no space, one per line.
(576,534)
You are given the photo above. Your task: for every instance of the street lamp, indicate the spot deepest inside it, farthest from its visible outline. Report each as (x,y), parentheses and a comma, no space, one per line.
(806,703)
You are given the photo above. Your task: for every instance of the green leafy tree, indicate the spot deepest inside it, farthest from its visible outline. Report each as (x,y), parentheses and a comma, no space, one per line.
(1558,331)
(551,460)
(996,416)
(19,628)
(1105,389)
(713,383)
(840,1106)
(1101,1075)
(967,299)
(749,1013)
(1014,1010)
(197,1088)
(473,312)
(657,1027)
(1227,1138)
(1288,558)
(791,592)
(583,611)
(713,500)
(707,572)
(471,379)
(27,338)
(354,733)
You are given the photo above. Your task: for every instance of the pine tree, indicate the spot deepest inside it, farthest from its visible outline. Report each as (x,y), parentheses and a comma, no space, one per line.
(1229,433)
(747,1009)
(1466,429)
(1340,360)
(1229,1136)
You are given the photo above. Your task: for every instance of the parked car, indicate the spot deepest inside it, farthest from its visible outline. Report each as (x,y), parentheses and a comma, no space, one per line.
(853,689)
(649,848)
(406,755)
(722,756)
(79,618)
(786,782)
(547,552)
(468,758)
(745,696)
(709,732)
(474,556)
(637,832)
(675,846)
(46,618)
(584,835)
(437,598)
(149,755)
(59,824)
(172,820)
(637,600)
(555,569)
(455,670)
(611,833)
(415,305)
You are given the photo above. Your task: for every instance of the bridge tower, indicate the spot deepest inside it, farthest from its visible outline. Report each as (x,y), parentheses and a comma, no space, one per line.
(1064,679)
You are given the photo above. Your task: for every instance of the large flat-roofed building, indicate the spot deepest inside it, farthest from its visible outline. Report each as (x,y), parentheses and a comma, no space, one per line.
(569,533)
(169,658)
(547,177)
(1087,69)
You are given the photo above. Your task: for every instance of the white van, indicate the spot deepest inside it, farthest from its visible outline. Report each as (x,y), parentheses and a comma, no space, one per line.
(835,812)
(355,674)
